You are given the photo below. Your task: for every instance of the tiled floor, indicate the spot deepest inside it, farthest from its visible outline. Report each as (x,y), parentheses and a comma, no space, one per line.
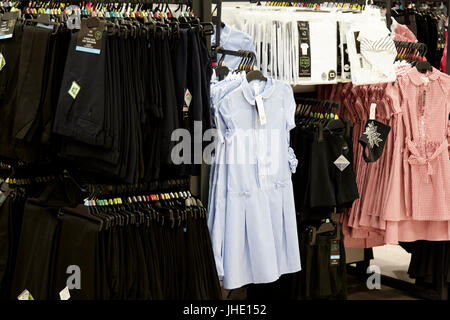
(393,261)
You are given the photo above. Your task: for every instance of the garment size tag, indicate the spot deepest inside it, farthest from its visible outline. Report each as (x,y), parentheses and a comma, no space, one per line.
(25,295)
(187,103)
(45,26)
(90,39)
(7,28)
(2,61)
(373,111)
(187,98)
(335,255)
(260,105)
(64,294)
(74,89)
(341,163)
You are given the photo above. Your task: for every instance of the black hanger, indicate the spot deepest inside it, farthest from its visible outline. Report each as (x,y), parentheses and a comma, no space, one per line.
(326,228)
(423,66)
(255,75)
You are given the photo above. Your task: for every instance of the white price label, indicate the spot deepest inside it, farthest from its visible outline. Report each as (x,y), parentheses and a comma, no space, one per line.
(64,294)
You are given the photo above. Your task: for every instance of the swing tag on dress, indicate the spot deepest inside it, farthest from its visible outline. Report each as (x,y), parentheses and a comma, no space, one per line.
(373,109)
(260,106)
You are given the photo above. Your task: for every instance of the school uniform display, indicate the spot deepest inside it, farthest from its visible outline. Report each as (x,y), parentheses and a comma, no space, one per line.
(325,181)
(404,194)
(331,130)
(105,111)
(135,250)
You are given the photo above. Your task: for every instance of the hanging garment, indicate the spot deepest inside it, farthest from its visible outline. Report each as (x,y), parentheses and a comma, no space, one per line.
(323,274)
(259,199)
(325,180)
(400,32)
(430,261)
(403,194)
(139,250)
(234,40)
(371,52)
(115,115)
(425,159)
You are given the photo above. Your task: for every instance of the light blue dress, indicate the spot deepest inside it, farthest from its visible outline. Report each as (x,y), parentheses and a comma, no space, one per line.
(258,229)
(232,39)
(217,195)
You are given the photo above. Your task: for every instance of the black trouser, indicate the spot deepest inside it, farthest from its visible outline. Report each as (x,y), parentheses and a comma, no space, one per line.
(4,241)
(82,118)
(32,81)
(42,57)
(36,253)
(9,75)
(9,242)
(77,246)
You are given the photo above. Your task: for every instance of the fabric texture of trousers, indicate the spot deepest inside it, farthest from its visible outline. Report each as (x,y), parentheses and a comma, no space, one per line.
(162,251)
(34,52)
(4,241)
(76,250)
(36,253)
(82,117)
(11,51)
(9,240)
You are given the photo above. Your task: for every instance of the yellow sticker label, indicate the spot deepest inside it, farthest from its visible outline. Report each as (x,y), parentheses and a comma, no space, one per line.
(74,90)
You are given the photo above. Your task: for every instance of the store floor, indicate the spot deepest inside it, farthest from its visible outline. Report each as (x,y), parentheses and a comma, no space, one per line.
(358,290)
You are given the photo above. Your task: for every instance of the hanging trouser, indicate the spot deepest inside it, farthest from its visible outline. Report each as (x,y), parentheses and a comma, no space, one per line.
(36,252)
(9,75)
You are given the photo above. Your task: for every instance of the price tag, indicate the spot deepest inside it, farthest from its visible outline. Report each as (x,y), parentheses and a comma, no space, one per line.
(2,61)
(335,255)
(7,28)
(341,163)
(74,90)
(187,98)
(90,38)
(373,111)
(25,295)
(64,294)
(260,105)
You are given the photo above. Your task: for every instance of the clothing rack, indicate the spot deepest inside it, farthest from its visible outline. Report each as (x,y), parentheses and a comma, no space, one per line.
(388,5)
(219,11)
(416,2)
